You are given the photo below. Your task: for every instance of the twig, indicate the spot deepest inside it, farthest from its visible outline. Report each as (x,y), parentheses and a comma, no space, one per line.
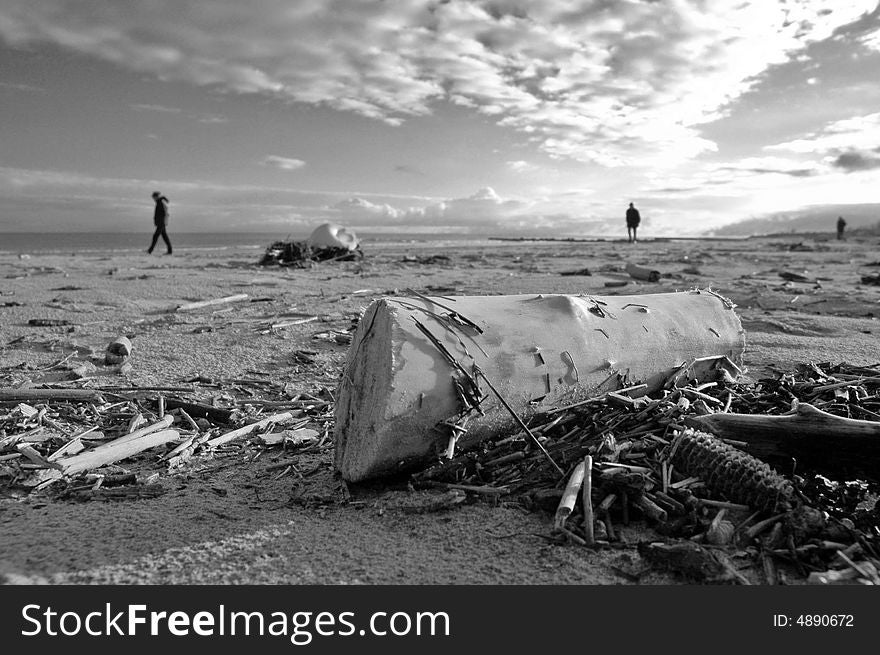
(588,501)
(571,535)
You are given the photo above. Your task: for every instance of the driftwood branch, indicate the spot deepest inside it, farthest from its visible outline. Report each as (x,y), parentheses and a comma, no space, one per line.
(642,273)
(247,429)
(161,424)
(813,437)
(114,451)
(188,307)
(200,410)
(41,395)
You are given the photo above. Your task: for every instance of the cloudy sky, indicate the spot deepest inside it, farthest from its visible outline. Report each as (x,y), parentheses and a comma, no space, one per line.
(489,116)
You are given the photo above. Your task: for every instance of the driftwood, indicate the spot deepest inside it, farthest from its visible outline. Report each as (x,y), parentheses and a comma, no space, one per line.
(161,424)
(642,273)
(299,321)
(827,442)
(215,301)
(200,410)
(650,508)
(42,395)
(247,429)
(115,451)
(418,367)
(72,447)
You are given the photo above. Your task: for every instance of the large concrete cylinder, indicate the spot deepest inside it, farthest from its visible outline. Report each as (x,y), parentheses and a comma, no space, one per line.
(410,359)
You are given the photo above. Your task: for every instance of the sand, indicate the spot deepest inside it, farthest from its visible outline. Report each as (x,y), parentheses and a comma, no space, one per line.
(229,520)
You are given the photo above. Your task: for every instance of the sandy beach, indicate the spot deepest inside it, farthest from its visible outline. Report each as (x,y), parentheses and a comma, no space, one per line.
(232,518)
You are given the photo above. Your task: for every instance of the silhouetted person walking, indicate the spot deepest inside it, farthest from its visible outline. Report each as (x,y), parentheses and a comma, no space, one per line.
(632,223)
(841,226)
(160,220)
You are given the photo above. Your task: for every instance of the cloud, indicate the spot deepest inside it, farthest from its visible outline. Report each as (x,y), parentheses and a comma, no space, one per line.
(212,119)
(851,133)
(158,108)
(208,119)
(742,177)
(610,82)
(482,210)
(409,170)
(284,163)
(520,166)
(359,210)
(769,166)
(849,145)
(29,88)
(855,160)
(871,40)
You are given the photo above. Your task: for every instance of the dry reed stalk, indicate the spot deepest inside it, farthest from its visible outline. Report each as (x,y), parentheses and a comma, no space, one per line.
(587,500)
(569,496)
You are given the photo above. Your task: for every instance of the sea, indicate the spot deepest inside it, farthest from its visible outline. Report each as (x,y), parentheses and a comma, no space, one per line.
(107,243)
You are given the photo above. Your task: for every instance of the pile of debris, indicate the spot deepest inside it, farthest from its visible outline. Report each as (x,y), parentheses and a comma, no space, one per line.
(627,456)
(117,443)
(328,242)
(301,254)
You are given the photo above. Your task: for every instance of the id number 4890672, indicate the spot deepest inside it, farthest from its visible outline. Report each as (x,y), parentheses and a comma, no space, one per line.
(813,621)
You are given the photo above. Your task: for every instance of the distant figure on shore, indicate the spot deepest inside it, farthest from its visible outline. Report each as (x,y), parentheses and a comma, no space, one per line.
(841,226)
(160,220)
(633,218)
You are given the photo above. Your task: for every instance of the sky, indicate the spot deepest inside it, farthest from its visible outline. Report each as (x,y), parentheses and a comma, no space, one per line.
(499,117)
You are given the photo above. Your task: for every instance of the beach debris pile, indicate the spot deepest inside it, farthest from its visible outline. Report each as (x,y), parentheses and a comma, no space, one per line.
(328,242)
(300,254)
(626,455)
(116,443)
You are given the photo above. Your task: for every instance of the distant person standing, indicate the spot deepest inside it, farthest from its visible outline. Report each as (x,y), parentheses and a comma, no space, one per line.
(841,226)
(633,218)
(160,220)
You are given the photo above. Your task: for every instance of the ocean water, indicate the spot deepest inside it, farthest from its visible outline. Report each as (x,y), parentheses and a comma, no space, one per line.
(123,242)
(85,243)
